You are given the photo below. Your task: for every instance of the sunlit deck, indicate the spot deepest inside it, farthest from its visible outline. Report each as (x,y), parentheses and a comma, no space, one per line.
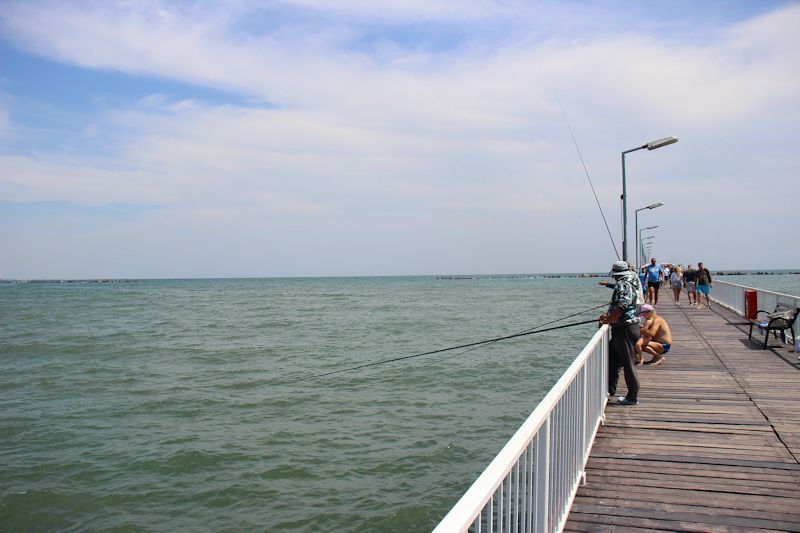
(714,444)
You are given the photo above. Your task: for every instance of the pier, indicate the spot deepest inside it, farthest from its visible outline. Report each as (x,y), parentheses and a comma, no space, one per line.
(714,444)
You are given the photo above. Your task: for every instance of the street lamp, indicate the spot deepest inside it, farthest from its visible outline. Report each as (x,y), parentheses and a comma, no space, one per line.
(651,206)
(646,252)
(641,244)
(652,145)
(648,240)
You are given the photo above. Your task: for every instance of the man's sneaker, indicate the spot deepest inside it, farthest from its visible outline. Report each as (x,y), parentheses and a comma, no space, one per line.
(625,401)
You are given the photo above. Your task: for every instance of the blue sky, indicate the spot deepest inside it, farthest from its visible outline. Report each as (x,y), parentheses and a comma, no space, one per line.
(301,138)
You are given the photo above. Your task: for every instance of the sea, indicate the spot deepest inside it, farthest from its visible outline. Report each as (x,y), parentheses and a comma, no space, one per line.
(200,405)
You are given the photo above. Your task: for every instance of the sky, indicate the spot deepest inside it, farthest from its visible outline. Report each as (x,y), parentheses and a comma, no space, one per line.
(181,139)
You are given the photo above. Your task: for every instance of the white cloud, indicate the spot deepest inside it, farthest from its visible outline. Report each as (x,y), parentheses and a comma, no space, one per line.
(26,179)
(297,69)
(410,9)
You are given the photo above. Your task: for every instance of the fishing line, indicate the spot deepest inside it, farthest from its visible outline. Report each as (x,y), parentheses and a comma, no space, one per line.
(586,171)
(471,345)
(523,331)
(478,343)
(566,317)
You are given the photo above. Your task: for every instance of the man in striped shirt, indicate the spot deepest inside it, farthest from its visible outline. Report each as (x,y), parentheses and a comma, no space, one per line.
(622,315)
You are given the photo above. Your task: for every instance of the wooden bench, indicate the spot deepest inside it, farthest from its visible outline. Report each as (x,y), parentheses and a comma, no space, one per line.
(781,319)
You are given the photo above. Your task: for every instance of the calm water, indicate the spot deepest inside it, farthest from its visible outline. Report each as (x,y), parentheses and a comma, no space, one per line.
(778,282)
(175,405)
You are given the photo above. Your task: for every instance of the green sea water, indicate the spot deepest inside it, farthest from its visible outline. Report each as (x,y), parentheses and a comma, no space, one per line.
(191,404)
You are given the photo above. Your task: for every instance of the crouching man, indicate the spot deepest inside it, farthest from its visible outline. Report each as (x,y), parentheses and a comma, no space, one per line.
(656,336)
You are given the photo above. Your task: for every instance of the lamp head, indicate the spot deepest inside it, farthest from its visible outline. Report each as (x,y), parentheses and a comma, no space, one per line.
(652,145)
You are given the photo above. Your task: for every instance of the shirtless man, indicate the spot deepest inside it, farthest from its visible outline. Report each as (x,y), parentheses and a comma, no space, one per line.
(656,336)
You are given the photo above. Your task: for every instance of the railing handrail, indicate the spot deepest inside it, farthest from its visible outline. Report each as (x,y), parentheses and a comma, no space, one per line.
(756,289)
(469,507)
(732,296)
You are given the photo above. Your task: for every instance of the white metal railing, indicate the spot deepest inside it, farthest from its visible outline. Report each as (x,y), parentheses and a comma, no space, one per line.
(531,483)
(732,296)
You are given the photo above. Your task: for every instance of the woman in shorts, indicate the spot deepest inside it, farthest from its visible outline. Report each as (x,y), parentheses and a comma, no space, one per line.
(676,282)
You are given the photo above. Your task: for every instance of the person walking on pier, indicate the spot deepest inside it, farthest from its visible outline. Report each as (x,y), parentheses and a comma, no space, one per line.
(690,282)
(622,316)
(655,275)
(703,284)
(676,282)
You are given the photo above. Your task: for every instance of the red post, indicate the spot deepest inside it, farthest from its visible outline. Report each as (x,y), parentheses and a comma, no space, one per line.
(750,303)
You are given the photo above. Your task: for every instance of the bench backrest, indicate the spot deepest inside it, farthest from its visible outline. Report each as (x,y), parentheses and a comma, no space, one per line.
(783,316)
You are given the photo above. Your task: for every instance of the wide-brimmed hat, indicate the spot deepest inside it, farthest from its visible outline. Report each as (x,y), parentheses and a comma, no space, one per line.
(619,268)
(646,308)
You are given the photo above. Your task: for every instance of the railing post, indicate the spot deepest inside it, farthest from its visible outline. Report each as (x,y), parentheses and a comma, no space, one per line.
(583,405)
(603,376)
(542,477)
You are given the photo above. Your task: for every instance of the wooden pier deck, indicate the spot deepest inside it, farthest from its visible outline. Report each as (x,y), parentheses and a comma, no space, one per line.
(714,443)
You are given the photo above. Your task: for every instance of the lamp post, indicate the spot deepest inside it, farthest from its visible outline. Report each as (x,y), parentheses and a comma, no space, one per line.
(651,206)
(652,145)
(640,249)
(646,252)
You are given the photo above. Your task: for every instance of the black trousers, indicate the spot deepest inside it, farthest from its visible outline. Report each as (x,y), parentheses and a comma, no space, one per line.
(621,354)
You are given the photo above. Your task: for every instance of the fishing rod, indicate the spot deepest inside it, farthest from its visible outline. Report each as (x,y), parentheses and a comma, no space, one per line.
(471,345)
(566,317)
(586,171)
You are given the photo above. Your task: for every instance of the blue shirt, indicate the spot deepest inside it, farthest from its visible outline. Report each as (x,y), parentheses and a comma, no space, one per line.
(654,273)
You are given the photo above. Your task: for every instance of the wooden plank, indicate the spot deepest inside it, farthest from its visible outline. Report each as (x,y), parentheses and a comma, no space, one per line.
(695,450)
(684,514)
(733,503)
(702,460)
(705,428)
(647,435)
(698,471)
(586,522)
(677,481)
(724,441)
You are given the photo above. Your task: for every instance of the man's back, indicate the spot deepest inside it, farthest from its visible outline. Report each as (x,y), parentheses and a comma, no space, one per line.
(659,330)
(625,297)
